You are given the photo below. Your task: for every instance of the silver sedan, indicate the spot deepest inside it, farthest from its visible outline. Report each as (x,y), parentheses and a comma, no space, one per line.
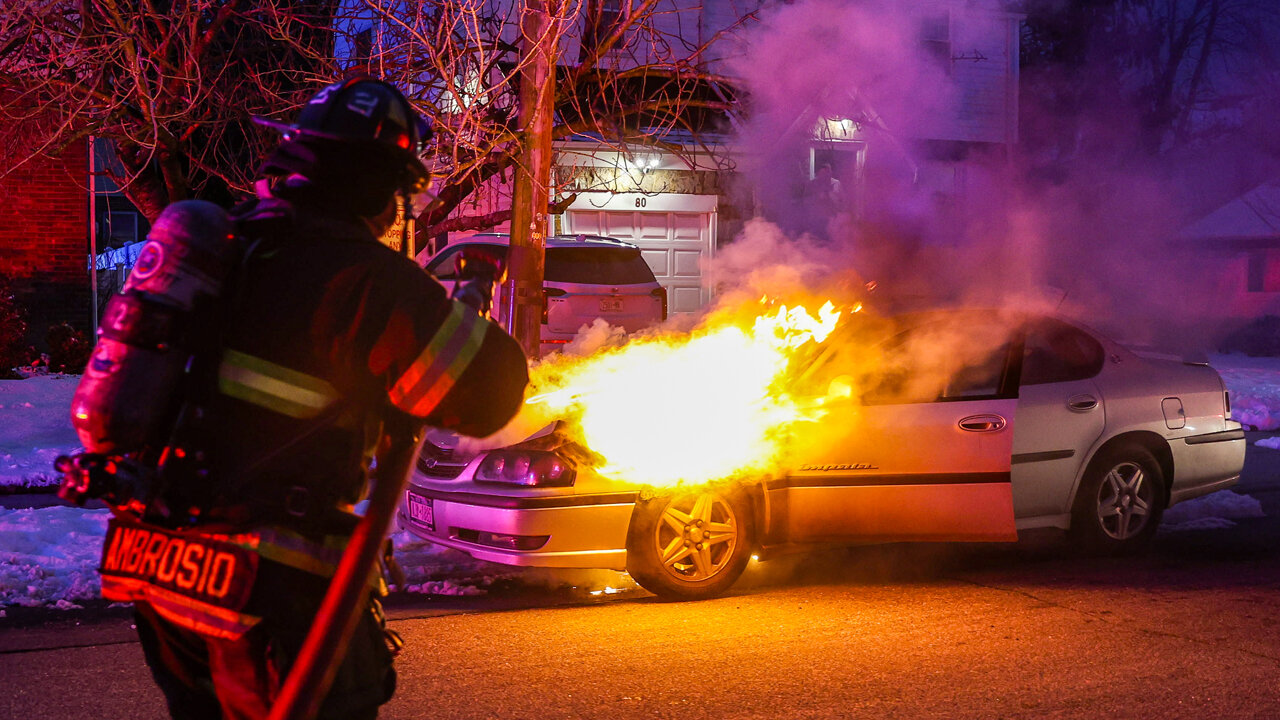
(965,426)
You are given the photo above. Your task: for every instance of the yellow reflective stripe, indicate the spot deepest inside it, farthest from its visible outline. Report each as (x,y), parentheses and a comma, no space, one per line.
(272,386)
(201,617)
(296,551)
(432,375)
(418,369)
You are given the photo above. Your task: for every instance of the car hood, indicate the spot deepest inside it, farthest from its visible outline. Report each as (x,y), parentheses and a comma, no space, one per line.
(466,447)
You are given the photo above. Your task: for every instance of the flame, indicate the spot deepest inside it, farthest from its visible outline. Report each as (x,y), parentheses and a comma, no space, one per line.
(690,408)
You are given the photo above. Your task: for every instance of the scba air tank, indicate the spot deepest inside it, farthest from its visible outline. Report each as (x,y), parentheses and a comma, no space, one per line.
(127,396)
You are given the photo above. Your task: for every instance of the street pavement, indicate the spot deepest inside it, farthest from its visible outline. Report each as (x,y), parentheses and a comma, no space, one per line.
(1190,629)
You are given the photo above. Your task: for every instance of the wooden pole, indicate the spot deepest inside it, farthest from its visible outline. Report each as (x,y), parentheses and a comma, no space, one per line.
(93,241)
(522,293)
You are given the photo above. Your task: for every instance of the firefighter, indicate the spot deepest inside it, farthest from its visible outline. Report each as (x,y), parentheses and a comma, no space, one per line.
(327,335)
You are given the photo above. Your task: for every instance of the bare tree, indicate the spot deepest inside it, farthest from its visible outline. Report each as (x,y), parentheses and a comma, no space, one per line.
(633,74)
(172,83)
(1186,70)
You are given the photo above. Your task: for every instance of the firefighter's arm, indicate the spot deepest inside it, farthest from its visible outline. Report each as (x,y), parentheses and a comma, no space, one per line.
(469,378)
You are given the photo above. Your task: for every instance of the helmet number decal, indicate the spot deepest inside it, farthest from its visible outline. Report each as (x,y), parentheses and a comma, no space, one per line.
(323,96)
(363,102)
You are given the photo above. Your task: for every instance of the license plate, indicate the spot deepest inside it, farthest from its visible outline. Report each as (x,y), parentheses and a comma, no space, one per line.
(611,305)
(420,512)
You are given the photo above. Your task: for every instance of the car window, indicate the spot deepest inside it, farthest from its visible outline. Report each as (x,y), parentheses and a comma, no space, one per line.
(597,265)
(444,266)
(948,360)
(1057,352)
(957,358)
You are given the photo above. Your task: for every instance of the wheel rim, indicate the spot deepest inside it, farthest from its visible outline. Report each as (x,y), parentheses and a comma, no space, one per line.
(696,536)
(1125,499)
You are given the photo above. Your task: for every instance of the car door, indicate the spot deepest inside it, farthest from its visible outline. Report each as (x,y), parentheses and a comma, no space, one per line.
(1061,414)
(921,452)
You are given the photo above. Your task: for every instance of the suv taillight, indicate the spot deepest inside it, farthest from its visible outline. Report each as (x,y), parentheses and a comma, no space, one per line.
(661,294)
(548,293)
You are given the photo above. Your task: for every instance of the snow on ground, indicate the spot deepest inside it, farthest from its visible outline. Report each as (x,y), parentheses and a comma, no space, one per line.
(35,428)
(48,555)
(49,558)
(1215,510)
(1254,384)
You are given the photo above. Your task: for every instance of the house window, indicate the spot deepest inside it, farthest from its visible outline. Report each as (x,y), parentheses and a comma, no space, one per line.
(935,38)
(602,19)
(362,47)
(1263,271)
(122,227)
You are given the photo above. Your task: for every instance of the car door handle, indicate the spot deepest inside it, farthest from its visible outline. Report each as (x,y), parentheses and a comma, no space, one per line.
(983,423)
(1082,403)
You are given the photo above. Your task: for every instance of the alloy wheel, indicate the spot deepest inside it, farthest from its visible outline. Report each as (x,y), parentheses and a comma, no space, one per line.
(696,536)
(1124,503)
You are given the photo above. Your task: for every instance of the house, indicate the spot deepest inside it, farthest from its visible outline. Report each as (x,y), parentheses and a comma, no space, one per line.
(44,239)
(1239,243)
(684,194)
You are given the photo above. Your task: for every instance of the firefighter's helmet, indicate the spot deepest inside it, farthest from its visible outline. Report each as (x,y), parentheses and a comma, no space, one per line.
(361,136)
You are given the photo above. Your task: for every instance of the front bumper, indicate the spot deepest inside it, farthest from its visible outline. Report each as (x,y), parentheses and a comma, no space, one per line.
(565,531)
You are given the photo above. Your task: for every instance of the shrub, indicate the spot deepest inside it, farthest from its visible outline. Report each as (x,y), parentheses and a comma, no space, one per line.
(69,348)
(14,351)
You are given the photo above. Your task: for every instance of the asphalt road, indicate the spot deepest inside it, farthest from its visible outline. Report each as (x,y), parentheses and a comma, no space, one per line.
(1189,630)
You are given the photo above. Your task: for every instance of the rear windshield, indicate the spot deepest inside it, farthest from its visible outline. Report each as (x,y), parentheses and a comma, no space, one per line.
(597,265)
(445,266)
(593,264)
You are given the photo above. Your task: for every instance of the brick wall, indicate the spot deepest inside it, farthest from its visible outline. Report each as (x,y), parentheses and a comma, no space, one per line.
(44,239)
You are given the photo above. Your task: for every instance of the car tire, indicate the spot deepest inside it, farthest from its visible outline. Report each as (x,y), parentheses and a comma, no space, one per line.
(690,545)
(1119,503)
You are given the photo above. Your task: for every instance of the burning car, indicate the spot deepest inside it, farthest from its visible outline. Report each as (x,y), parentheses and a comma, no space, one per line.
(943,426)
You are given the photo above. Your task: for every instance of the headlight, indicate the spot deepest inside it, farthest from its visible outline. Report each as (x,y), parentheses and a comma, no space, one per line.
(529,468)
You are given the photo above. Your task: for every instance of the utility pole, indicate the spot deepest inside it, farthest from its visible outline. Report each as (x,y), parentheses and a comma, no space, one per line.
(93,239)
(522,293)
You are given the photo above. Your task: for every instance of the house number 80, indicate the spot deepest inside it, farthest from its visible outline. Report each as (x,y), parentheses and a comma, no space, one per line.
(642,202)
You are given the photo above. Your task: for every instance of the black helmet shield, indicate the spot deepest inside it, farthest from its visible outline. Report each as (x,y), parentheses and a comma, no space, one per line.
(357,143)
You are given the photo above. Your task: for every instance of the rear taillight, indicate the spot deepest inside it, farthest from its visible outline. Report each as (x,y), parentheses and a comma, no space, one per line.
(547,294)
(661,294)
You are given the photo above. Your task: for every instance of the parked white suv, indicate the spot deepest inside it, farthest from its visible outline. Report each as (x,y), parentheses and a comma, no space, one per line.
(585,277)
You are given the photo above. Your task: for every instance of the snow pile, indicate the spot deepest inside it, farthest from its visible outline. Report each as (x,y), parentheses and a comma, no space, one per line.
(1216,510)
(1269,442)
(1254,384)
(49,556)
(436,570)
(35,428)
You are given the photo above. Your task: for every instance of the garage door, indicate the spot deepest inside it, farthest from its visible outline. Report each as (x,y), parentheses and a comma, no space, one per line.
(674,237)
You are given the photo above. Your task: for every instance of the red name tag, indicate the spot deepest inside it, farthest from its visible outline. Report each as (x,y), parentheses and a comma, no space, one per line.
(201,567)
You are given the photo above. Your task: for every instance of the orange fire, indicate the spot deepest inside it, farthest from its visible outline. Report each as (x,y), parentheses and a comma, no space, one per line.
(690,408)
